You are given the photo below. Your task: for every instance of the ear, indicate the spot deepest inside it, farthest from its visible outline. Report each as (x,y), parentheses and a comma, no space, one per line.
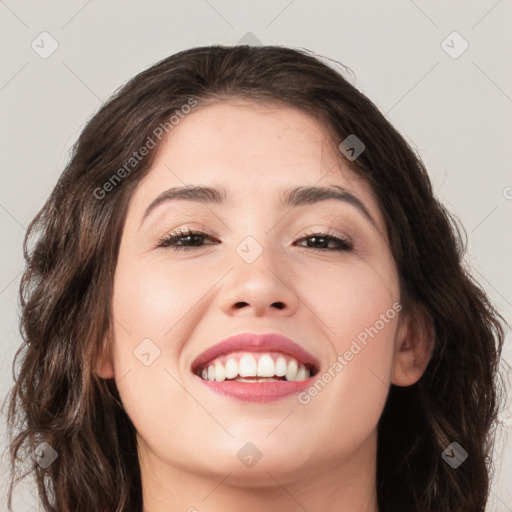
(413,346)
(105,366)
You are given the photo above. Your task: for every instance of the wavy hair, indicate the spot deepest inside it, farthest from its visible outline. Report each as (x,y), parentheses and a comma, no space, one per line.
(71,250)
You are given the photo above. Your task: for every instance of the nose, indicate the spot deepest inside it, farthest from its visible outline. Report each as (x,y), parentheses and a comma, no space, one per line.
(263,287)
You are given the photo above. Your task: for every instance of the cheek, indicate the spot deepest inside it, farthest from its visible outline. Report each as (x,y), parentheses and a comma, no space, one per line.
(350,298)
(151,306)
(150,309)
(150,300)
(359,310)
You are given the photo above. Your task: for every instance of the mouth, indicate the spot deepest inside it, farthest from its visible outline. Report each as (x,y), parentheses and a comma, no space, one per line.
(256,367)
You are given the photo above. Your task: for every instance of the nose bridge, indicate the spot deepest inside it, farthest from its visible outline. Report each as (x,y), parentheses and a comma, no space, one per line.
(259,278)
(253,233)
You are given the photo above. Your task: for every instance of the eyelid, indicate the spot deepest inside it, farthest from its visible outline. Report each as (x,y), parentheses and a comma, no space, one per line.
(329,233)
(345,242)
(185,231)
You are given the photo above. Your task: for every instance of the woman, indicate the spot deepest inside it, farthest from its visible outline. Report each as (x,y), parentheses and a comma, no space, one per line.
(242,292)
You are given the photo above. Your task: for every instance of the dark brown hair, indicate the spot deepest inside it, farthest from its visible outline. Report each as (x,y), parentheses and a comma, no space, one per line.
(71,251)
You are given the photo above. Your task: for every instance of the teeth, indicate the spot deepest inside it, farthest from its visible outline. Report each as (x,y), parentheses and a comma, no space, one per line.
(231,368)
(266,366)
(281,366)
(257,370)
(302,374)
(241,379)
(220,373)
(248,366)
(291,371)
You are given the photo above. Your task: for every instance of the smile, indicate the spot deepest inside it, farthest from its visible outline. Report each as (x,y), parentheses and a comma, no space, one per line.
(256,367)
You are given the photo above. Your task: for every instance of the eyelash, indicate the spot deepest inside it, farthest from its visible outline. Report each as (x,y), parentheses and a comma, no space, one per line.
(346,244)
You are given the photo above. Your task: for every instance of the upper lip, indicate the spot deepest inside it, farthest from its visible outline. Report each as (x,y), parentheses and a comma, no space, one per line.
(257,343)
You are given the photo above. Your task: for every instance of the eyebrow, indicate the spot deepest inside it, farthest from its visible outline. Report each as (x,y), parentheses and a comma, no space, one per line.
(291,198)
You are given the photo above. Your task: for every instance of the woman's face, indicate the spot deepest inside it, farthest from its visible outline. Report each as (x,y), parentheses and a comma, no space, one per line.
(259,269)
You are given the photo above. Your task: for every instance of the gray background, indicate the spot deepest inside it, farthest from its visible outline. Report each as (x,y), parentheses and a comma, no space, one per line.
(455,111)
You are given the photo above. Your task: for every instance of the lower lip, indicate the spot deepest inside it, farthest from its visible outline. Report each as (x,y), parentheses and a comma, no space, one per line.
(258,391)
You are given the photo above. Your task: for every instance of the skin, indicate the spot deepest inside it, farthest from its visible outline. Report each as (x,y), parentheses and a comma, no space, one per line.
(314,455)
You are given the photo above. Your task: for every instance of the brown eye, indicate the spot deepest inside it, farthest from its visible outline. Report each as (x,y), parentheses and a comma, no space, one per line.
(183,239)
(324,239)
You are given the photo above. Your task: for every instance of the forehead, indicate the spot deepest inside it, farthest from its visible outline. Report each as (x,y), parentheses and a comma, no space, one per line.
(253,151)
